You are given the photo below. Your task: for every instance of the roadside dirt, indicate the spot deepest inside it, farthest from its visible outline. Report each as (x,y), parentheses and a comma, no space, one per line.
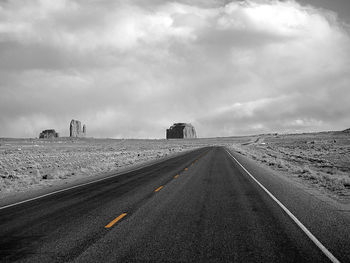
(320,160)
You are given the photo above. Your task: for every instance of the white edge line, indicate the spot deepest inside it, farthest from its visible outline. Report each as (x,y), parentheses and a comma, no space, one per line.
(79,185)
(329,255)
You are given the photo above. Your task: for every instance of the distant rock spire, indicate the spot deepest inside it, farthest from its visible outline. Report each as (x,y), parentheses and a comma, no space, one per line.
(75,129)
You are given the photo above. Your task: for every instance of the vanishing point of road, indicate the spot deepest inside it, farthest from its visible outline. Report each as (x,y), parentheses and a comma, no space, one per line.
(207,205)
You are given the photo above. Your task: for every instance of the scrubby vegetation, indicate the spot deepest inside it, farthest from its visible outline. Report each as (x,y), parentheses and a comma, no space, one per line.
(322,159)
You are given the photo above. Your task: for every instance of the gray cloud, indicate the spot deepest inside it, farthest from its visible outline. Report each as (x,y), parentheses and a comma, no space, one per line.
(128,69)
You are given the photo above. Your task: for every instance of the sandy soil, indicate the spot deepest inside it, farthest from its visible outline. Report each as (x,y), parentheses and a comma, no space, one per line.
(319,160)
(26,164)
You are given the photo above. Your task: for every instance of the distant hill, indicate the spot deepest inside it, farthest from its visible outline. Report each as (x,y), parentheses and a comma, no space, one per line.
(347,131)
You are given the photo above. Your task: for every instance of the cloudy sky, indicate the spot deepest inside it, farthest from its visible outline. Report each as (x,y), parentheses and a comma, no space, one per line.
(129,69)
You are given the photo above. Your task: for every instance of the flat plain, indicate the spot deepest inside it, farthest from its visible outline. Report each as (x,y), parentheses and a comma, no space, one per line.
(320,161)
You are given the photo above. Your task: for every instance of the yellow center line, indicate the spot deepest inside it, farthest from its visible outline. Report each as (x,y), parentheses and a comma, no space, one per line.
(115,220)
(160,187)
(176,176)
(186,169)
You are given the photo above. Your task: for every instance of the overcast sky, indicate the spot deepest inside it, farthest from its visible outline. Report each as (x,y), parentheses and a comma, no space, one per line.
(129,69)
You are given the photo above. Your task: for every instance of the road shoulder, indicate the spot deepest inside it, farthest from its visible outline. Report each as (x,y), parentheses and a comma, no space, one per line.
(327,219)
(289,179)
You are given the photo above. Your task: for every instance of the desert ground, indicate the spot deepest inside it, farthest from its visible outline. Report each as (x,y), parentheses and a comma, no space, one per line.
(26,164)
(318,160)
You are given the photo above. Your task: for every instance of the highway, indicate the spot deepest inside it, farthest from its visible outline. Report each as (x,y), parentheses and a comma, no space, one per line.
(201,206)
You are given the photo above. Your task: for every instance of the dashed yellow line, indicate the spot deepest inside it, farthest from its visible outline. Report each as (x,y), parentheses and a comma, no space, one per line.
(115,220)
(124,214)
(160,187)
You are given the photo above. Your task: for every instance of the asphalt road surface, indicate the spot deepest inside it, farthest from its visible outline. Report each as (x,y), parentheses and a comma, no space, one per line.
(197,207)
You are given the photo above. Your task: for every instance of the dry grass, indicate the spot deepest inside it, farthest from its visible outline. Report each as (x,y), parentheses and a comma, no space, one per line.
(30,163)
(321,159)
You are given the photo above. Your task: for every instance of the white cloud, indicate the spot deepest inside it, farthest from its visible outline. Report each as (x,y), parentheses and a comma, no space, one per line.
(128,69)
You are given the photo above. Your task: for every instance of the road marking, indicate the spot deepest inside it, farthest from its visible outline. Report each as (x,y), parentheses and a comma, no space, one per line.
(186,169)
(325,251)
(158,189)
(176,176)
(115,220)
(95,181)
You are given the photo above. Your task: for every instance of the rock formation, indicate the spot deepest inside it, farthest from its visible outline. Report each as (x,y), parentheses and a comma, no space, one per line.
(75,129)
(181,130)
(48,134)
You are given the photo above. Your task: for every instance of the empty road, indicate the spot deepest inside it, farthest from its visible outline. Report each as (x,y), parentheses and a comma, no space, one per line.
(201,206)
